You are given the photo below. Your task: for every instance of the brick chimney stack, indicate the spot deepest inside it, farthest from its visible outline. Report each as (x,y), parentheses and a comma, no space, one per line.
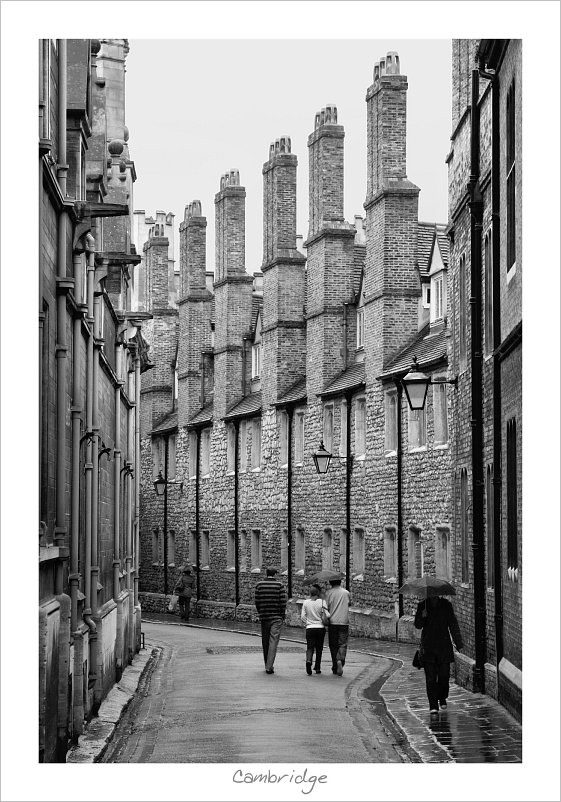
(330,252)
(284,281)
(391,220)
(232,292)
(195,336)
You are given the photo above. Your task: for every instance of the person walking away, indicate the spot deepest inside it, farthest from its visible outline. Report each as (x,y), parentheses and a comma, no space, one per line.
(435,617)
(270,600)
(184,590)
(311,615)
(338,600)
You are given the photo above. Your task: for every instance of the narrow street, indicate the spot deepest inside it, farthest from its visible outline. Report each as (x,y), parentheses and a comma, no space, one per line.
(208,699)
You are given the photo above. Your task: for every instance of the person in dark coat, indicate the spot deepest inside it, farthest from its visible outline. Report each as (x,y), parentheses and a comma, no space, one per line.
(436,618)
(184,590)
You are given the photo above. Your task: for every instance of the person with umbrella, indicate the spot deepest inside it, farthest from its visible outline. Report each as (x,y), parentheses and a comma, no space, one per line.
(436,618)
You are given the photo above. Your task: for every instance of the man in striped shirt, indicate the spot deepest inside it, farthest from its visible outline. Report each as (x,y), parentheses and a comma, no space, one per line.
(270,600)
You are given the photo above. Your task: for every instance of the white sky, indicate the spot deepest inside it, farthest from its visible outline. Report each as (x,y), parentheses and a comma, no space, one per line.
(197,108)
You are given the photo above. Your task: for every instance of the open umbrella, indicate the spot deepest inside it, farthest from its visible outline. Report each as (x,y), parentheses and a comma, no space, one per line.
(426,586)
(322,576)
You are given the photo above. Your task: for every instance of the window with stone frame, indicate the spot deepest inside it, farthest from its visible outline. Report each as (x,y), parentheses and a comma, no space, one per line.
(417,428)
(231,550)
(284,551)
(414,552)
(283,438)
(512,497)
(155,546)
(391,421)
(192,557)
(205,548)
(192,455)
(327,549)
(464,525)
(300,550)
(488,318)
(511,178)
(438,296)
(256,550)
(171,547)
(243,550)
(256,360)
(440,412)
(343,425)
(390,551)
(358,552)
(360,427)
(172,461)
(343,551)
(442,552)
(230,447)
(360,327)
(328,427)
(243,446)
(462,317)
(205,452)
(158,457)
(256,443)
(299,437)
(490,524)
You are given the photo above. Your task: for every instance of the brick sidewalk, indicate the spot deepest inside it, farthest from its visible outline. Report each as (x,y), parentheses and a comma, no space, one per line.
(474,729)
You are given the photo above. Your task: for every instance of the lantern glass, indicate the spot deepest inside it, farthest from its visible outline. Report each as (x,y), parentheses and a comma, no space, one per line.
(160,485)
(322,458)
(416,385)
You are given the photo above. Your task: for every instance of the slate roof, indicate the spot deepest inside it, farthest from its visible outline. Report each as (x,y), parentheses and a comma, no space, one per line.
(428,348)
(167,424)
(425,238)
(203,416)
(294,395)
(246,408)
(350,379)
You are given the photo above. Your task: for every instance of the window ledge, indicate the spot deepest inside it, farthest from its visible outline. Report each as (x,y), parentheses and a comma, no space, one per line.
(390,454)
(284,466)
(230,569)
(440,446)
(255,570)
(358,577)
(390,580)
(360,457)
(298,464)
(491,590)
(417,450)
(192,478)
(205,476)
(256,470)
(300,572)
(230,473)
(284,572)
(205,567)
(465,585)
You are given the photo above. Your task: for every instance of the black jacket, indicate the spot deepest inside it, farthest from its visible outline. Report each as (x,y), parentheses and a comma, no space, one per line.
(438,626)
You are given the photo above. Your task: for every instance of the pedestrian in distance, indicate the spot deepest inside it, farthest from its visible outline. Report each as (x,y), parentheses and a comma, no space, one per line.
(338,600)
(312,611)
(184,590)
(270,600)
(435,617)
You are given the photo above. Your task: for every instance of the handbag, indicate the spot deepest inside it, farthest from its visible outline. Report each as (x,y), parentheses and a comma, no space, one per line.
(173,603)
(418,661)
(324,616)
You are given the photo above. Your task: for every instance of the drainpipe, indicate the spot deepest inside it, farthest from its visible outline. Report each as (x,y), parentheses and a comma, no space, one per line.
(76,412)
(197,518)
(348,472)
(137,477)
(236,530)
(399,458)
(497,389)
(290,413)
(478,544)
(166,461)
(60,531)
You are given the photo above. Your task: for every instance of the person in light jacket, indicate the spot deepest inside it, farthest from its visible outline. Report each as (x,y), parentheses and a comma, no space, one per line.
(435,616)
(315,628)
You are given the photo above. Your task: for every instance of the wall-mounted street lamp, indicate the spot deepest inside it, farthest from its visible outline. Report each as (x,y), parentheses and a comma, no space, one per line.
(322,459)
(161,488)
(416,385)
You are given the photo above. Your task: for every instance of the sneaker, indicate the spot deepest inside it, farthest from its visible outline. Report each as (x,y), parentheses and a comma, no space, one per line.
(309,669)
(339,668)
(434,711)
(317,670)
(443,705)
(269,671)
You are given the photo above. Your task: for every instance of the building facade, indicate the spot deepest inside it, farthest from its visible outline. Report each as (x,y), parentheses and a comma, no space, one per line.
(92,355)
(485,214)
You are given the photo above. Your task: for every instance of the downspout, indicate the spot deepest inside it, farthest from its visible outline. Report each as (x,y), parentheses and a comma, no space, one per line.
(76,413)
(137,478)
(117,478)
(166,465)
(478,533)
(348,472)
(290,413)
(197,514)
(60,531)
(236,530)
(399,458)
(497,389)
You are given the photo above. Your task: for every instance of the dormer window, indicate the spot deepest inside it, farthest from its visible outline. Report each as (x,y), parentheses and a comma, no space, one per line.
(360,327)
(256,361)
(437,293)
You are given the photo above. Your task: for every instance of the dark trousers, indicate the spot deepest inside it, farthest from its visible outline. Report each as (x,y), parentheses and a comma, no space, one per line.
(338,635)
(270,636)
(437,675)
(184,606)
(314,642)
